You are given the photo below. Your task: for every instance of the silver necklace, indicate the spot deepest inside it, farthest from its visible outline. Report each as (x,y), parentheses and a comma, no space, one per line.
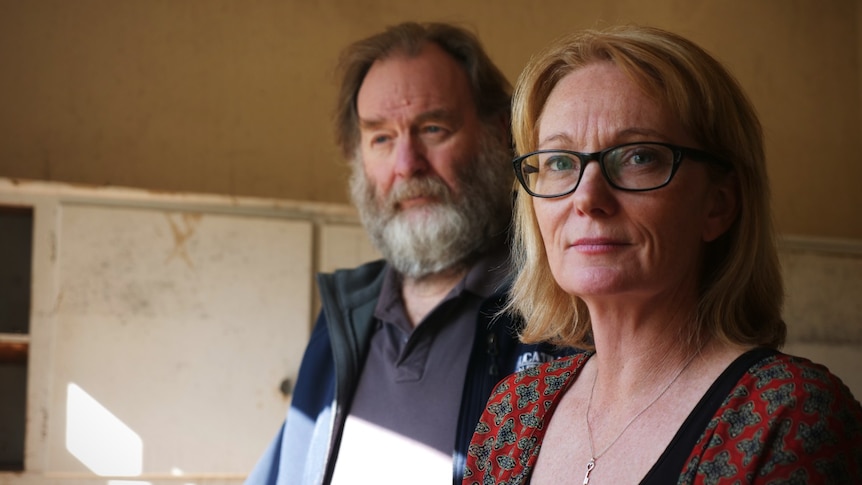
(595,456)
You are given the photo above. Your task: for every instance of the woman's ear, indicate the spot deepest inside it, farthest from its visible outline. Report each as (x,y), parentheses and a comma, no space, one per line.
(724,207)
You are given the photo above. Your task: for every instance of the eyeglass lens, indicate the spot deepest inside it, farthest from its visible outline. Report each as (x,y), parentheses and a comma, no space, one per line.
(637,166)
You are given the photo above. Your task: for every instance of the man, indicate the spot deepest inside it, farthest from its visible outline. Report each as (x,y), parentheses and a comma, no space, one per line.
(406,351)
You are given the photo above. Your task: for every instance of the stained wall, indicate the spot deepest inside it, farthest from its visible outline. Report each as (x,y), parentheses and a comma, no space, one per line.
(235,97)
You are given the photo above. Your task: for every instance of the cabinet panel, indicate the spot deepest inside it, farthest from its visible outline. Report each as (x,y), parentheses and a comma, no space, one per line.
(172,331)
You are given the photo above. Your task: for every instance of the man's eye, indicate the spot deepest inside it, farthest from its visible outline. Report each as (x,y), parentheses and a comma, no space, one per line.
(432,129)
(378,139)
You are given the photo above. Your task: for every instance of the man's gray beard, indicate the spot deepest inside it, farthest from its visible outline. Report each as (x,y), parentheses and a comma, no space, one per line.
(448,233)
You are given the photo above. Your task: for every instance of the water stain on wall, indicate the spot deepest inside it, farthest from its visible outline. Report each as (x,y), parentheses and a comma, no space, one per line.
(182,230)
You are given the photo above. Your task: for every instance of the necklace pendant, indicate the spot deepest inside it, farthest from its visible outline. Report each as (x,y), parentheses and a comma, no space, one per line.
(590,465)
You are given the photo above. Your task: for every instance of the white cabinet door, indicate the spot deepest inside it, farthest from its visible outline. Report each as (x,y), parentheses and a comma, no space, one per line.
(171,333)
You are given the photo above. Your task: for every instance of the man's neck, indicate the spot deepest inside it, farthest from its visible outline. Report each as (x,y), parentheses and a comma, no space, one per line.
(421,295)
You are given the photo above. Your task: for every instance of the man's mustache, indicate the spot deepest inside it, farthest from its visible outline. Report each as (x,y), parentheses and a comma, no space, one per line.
(430,187)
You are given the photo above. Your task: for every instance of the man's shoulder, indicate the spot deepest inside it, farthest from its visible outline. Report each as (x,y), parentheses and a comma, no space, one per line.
(349,279)
(532,358)
(370,269)
(557,365)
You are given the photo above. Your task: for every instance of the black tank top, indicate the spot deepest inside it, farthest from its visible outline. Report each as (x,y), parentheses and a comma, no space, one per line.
(669,465)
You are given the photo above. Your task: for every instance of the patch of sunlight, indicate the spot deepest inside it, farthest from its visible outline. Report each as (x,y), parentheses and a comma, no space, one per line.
(100,440)
(373,454)
(178,472)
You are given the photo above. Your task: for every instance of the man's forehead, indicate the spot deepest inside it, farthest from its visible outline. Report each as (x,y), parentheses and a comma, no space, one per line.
(401,85)
(440,115)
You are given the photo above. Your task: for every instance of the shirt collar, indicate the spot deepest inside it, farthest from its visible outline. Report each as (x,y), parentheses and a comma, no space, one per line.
(488,274)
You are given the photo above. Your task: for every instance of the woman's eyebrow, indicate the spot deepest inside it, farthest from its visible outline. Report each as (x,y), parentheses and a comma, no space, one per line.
(620,136)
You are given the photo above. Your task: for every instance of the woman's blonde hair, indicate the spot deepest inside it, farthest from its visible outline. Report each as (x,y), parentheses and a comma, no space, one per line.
(741,290)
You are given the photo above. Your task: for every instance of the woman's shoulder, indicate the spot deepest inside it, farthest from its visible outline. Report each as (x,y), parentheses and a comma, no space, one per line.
(525,389)
(796,375)
(551,375)
(509,434)
(796,397)
(787,385)
(787,419)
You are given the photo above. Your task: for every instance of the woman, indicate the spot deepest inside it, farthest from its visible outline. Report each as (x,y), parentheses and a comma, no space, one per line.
(660,259)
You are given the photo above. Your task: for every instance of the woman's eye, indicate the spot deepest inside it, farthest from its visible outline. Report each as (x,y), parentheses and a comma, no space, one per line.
(560,163)
(642,157)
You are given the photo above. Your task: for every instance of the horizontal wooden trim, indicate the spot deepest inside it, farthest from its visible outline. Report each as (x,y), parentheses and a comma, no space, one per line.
(821,244)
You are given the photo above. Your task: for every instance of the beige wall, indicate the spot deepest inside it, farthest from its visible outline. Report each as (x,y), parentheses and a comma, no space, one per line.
(234,96)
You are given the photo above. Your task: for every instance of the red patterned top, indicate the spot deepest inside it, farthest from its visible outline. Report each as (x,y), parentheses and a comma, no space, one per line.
(786,421)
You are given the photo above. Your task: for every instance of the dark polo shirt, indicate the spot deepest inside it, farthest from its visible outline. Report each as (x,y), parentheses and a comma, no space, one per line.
(413,378)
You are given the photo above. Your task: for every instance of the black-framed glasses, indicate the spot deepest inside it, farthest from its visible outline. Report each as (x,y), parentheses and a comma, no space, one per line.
(635,167)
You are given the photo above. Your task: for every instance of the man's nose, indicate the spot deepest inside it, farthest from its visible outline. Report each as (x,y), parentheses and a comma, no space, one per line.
(410,157)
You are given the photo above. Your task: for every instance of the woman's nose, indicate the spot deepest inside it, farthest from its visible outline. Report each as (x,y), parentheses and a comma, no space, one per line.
(594,194)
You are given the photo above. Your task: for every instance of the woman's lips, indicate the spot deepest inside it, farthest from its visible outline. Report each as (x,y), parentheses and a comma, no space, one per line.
(596,245)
